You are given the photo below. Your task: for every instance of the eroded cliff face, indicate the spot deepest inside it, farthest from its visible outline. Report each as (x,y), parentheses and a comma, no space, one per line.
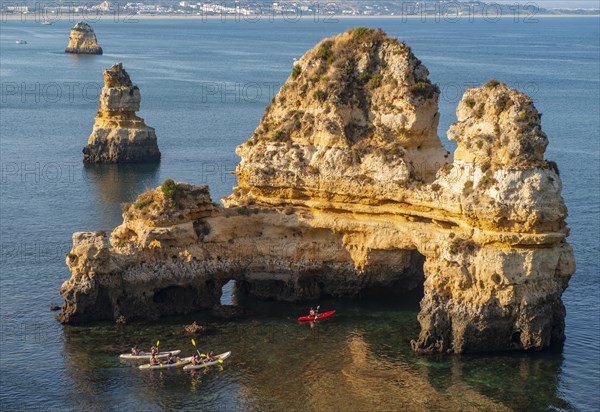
(359,111)
(82,40)
(119,135)
(345,189)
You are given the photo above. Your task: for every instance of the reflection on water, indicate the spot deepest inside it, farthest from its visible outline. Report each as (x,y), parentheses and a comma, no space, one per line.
(114,184)
(119,182)
(360,359)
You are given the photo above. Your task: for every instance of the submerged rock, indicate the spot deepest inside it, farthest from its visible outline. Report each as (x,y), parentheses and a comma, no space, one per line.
(195,329)
(119,135)
(82,40)
(344,189)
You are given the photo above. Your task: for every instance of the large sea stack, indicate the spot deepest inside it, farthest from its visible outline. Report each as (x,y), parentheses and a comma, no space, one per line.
(345,190)
(119,135)
(82,40)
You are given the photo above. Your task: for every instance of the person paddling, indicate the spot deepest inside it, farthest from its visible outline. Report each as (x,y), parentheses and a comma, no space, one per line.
(172,359)
(154,350)
(135,351)
(154,360)
(196,359)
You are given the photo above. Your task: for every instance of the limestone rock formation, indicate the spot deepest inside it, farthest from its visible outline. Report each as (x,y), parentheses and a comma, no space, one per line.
(359,108)
(82,40)
(345,190)
(119,135)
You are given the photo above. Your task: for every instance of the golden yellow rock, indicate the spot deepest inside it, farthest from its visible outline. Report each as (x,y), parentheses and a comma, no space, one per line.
(119,135)
(82,40)
(345,189)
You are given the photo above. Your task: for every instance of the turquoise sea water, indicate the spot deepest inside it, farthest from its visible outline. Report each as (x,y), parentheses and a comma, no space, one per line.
(204,87)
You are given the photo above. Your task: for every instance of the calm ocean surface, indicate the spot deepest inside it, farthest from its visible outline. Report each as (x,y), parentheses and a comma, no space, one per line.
(204,87)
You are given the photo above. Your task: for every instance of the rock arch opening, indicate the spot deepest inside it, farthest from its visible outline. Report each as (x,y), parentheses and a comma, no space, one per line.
(228,293)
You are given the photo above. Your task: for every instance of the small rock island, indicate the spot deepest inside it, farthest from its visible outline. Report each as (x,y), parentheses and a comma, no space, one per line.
(82,40)
(119,135)
(345,189)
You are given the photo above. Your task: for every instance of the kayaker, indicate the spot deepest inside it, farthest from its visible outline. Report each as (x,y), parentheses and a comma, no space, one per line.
(135,351)
(196,359)
(154,360)
(154,350)
(171,358)
(311,312)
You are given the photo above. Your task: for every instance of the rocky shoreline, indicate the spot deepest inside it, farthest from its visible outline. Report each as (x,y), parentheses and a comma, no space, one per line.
(345,188)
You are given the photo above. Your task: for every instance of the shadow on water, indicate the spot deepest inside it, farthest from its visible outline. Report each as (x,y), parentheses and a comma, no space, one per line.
(360,358)
(111,185)
(121,182)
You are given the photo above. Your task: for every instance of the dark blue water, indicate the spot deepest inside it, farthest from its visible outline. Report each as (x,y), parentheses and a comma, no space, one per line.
(204,87)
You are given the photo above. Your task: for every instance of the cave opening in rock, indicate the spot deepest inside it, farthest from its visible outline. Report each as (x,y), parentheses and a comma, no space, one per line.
(175,300)
(397,274)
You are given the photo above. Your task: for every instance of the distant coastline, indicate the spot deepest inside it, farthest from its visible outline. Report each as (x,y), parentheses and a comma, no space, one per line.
(34,18)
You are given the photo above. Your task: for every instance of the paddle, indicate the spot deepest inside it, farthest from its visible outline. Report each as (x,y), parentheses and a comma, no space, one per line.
(157,343)
(202,354)
(197,351)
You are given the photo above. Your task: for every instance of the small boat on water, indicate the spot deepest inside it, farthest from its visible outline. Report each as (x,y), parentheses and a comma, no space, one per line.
(318,317)
(47,23)
(178,364)
(21,42)
(147,355)
(220,357)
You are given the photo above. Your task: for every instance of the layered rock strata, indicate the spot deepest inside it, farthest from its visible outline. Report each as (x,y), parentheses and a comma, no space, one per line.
(119,135)
(82,40)
(345,189)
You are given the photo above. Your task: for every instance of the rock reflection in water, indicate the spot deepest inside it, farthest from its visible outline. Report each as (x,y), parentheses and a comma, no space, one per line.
(114,184)
(359,360)
(120,183)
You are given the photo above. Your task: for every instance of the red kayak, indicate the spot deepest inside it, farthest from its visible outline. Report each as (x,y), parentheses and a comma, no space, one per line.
(318,317)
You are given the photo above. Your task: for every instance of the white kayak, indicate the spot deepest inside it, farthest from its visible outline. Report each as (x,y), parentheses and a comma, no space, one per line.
(181,362)
(147,356)
(222,356)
